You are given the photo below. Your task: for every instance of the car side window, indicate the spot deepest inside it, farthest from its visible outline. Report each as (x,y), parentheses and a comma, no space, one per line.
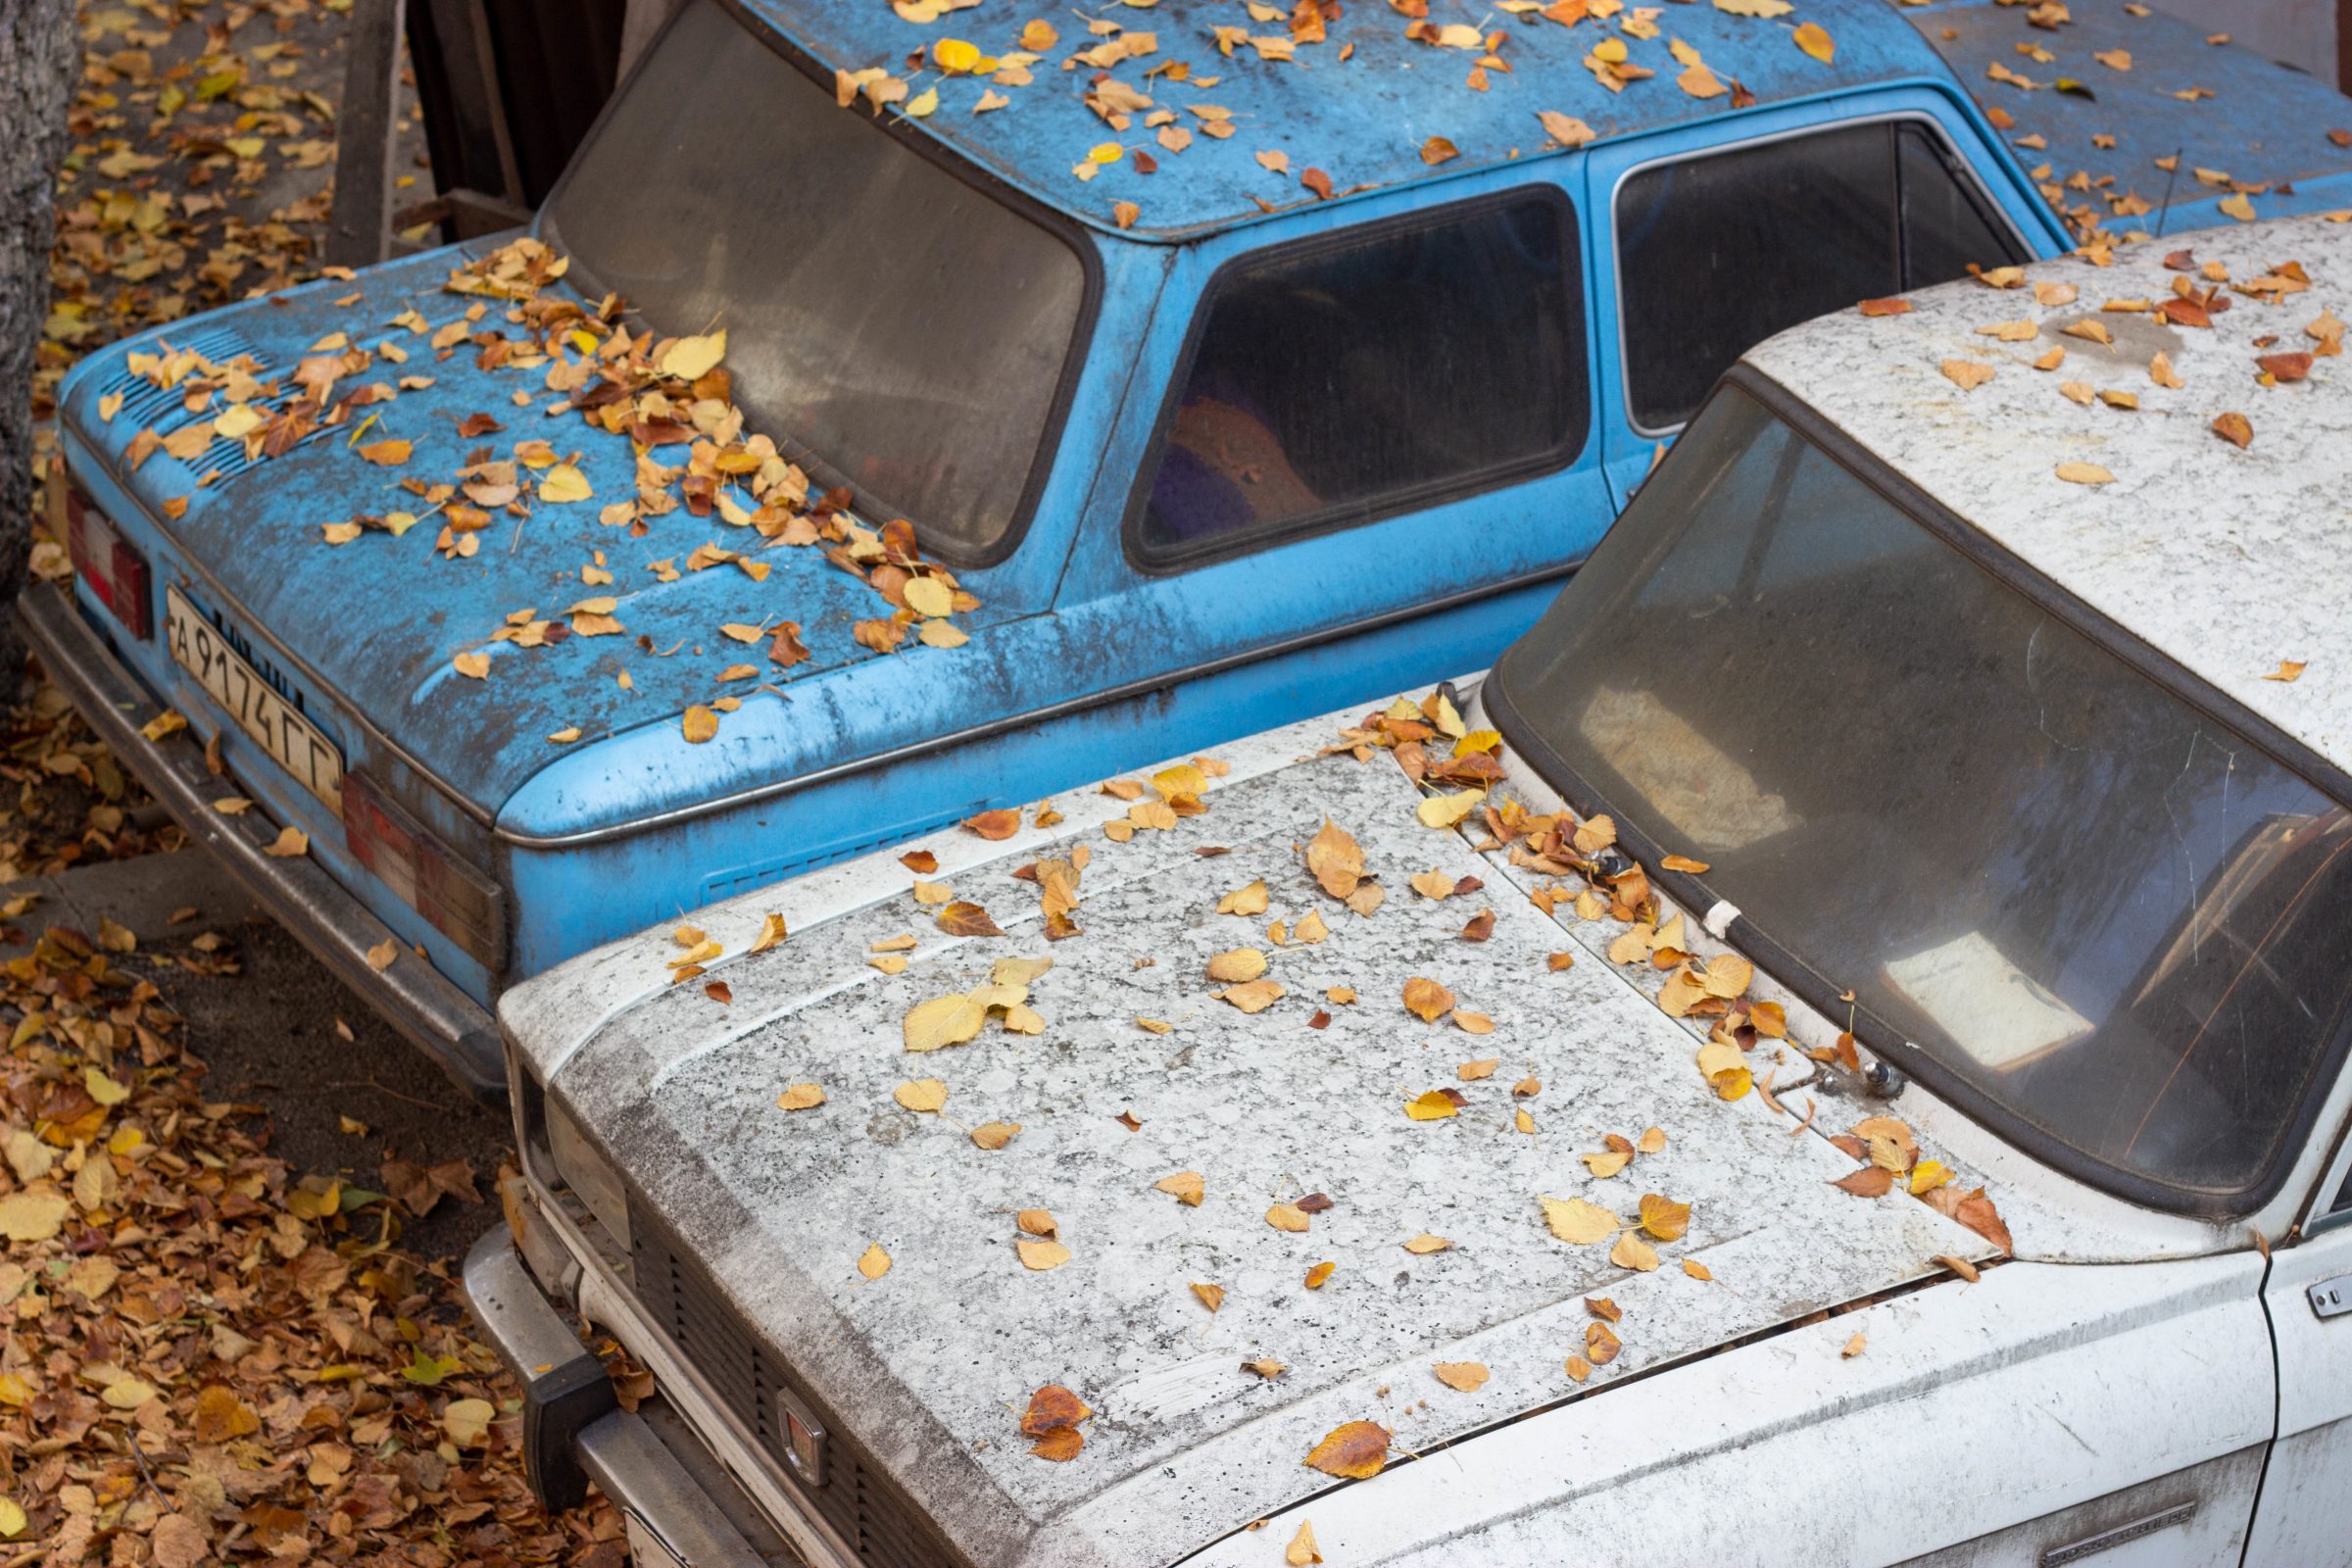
(1341,380)
(1719,252)
(1946,222)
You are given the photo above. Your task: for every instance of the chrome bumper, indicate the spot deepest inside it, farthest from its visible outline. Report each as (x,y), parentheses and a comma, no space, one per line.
(418,1000)
(678,1503)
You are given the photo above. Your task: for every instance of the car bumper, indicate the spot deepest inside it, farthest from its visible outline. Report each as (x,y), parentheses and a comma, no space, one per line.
(424,1004)
(679,1505)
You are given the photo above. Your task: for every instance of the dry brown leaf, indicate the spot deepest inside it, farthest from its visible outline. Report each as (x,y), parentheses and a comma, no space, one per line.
(1183,1186)
(1251,900)
(1354,1451)
(921,1095)
(1575,1221)
(1426,999)
(1252,995)
(1664,1218)
(965,918)
(1236,965)
(1466,1376)
(1871,1180)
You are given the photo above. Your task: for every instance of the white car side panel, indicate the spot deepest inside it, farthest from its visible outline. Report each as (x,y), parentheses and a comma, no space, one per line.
(2305,1519)
(1969,1409)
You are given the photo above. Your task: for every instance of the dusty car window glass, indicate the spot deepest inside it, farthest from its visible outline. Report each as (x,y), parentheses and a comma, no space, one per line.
(1718,253)
(1945,225)
(890,325)
(1333,383)
(2100,909)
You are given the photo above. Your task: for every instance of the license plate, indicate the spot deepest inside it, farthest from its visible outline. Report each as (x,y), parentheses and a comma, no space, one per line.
(292,741)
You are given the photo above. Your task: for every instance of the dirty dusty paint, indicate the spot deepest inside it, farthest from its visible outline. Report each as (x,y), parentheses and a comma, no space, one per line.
(2264,123)
(2056,1395)
(2217,557)
(1362,122)
(926,1361)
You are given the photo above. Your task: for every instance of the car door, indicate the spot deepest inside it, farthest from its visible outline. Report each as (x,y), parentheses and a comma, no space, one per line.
(1372,411)
(1714,242)
(2304,1516)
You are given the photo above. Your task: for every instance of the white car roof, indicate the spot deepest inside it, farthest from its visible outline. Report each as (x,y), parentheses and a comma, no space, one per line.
(2230,560)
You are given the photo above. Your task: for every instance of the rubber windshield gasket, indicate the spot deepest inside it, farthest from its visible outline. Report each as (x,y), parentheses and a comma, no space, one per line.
(1823,994)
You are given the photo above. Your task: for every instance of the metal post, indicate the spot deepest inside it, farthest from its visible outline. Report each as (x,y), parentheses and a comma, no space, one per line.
(359,228)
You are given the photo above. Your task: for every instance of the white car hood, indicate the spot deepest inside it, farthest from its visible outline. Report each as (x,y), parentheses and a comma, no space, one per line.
(931,1364)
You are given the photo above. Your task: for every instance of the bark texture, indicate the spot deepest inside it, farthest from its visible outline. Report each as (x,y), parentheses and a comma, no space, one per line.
(39,64)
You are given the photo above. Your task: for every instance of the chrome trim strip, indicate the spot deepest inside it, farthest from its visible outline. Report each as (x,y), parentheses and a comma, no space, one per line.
(638,1471)
(2120,1535)
(1035,716)
(420,1002)
(223,599)
(1625,390)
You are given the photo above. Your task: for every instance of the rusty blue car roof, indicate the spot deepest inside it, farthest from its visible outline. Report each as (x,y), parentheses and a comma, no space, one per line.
(1360,106)
(2143,87)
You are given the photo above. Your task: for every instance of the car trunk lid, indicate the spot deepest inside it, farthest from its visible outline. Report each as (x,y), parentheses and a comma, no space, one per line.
(381,619)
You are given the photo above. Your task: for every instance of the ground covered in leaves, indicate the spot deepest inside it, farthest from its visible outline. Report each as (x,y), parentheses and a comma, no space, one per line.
(208,1353)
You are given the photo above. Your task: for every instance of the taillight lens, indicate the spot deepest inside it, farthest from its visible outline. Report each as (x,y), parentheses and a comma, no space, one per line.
(462,903)
(114,572)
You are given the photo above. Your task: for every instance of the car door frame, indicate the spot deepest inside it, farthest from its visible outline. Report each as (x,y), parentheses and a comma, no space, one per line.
(1628,449)
(1429,555)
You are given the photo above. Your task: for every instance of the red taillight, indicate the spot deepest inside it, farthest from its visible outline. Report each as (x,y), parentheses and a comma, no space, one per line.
(462,903)
(114,572)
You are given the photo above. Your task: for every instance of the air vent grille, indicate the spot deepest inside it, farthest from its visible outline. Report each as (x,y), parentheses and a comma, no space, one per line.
(858,1500)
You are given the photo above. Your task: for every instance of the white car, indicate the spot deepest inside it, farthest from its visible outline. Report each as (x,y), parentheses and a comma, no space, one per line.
(1830,1053)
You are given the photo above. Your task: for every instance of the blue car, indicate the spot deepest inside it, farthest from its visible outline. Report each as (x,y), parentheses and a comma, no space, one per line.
(888,422)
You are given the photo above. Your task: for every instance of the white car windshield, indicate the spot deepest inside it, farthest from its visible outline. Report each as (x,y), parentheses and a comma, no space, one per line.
(892,326)
(2092,912)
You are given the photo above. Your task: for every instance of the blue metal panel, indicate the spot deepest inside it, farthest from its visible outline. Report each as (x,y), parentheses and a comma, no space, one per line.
(256,533)
(1362,120)
(254,774)
(595,893)
(2263,122)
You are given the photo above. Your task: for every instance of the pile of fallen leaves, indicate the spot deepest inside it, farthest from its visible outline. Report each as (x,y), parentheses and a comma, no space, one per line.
(71,802)
(208,1354)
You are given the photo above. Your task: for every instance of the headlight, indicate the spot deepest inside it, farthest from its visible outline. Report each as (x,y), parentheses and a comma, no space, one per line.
(590,1176)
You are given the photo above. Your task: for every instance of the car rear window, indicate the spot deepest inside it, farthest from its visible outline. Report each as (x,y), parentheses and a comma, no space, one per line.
(1717,252)
(892,326)
(1342,380)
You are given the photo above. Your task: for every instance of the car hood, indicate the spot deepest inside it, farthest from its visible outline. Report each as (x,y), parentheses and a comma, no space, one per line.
(931,1364)
(381,619)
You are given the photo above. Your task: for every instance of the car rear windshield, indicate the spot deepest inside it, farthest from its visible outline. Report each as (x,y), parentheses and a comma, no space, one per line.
(2097,915)
(889,326)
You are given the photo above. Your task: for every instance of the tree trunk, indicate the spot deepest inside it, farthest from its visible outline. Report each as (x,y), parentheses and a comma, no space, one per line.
(39,64)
